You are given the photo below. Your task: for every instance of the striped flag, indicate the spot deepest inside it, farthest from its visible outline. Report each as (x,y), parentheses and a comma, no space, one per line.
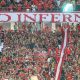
(59,66)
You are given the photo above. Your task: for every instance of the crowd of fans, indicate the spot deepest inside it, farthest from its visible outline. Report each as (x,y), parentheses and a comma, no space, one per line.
(34,5)
(27,55)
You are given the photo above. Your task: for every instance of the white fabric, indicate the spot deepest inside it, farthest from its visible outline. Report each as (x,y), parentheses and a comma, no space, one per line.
(33,8)
(58,3)
(17,1)
(34,78)
(1,46)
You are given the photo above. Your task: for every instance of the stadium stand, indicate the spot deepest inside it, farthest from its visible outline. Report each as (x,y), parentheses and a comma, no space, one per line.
(35,53)
(34,5)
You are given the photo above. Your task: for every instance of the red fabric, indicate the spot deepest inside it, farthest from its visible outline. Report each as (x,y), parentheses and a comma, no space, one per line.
(3,3)
(25,69)
(35,2)
(22,74)
(78,27)
(38,69)
(27,5)
(70,39)
(19,7)
(51,6)
(26,79)
(68,51)
(4,59)
(57,55)
(9,60)
(39,6)
(68,26)
(62,30)
(11,7)
(46,5)
(57,50)
(49,50)
(69,76)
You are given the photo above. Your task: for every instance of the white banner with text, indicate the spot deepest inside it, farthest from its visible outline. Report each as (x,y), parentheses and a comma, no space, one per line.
(39,17)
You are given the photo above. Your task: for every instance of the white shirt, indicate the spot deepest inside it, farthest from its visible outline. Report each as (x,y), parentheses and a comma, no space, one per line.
(17,1)
(33,8)
(1,46)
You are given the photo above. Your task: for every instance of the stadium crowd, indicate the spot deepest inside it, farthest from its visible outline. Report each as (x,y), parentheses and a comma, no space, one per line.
(34,54)
(34,5)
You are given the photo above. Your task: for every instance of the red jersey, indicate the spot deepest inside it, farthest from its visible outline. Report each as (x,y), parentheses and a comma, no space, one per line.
(46,5)
(4,59)
(27,5)
(78,27)
(69,76)
(3,3)
(39,6)
(10,7)
(68,51)
(22,74)
(35,2)
(19,7)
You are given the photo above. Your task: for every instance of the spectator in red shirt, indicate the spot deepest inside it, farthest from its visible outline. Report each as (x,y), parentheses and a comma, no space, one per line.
(2,3)
(69,76)
(19,7)
(39,6)
(68,51)
(46,6)
(35,2)
(27,6)
(11,7)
